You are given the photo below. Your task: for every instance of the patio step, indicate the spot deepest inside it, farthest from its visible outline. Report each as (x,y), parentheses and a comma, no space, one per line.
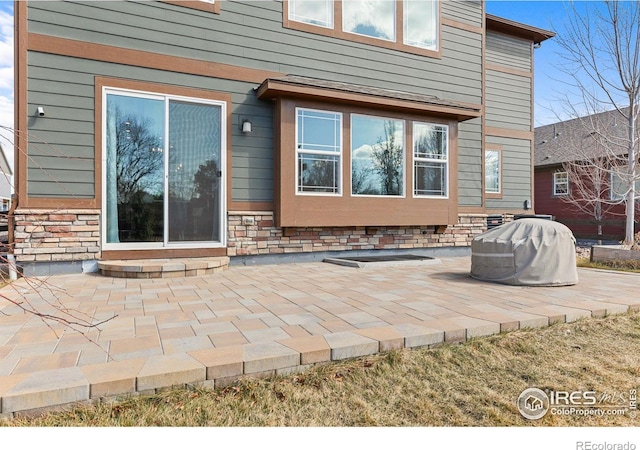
(163,268)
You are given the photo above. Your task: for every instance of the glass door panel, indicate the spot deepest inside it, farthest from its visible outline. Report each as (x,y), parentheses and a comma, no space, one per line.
(135,129)
(194,172)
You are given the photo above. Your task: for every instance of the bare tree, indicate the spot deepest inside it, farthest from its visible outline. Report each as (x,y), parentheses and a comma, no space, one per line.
(387,156)
(44,302)
(592,170)
(601,55)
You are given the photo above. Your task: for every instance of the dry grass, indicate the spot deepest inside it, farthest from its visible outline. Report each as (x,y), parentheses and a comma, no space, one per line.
(471,384)
(627,265)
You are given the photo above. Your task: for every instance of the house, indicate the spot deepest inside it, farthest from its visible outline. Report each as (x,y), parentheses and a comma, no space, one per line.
(257,129)
(587,198)
(5,183)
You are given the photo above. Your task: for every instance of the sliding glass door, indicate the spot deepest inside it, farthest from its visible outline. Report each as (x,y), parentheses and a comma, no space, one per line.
(163,171)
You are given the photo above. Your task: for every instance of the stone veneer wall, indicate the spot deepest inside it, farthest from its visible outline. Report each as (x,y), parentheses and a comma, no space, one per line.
(74,235)
(254,233)
(56,235)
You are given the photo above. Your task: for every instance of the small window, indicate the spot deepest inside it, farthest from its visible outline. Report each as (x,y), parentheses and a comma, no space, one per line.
(430,156)
(492,178)
(377,156)
(318,151)
(372,18)
(560,183)
(314,12)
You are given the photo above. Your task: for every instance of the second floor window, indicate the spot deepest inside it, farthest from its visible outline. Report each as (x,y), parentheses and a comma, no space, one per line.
(409,25)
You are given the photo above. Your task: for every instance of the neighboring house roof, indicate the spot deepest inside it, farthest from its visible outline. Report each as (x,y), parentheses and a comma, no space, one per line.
(562,142)
(537,35)
(294,85)
(4,162)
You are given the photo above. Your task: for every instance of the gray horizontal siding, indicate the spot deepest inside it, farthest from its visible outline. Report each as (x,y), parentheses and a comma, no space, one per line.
(469,163)
(508,103)
(508,51)
(61,147)
(469,12)
(516,173)
(248,34)
(251,35)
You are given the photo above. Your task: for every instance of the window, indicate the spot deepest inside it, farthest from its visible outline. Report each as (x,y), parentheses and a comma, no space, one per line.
(560,183)
(492,168)
(373,18)
(163,163)
(421,24)
(409,25)
(318,151)
(314,12)
(377,156)
(619,187)
(430,156)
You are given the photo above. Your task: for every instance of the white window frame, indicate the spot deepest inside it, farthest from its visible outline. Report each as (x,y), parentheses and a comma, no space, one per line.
(166,244)
(395,32)
(557,184)
(499,174)
(405,25)
(444,161)
(339,154)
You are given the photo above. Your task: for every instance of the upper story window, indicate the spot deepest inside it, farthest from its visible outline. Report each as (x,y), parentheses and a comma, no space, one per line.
(373,18)
(421,23)
(319,151)
(560,183)
(314,12)
(430,159)
(406,25)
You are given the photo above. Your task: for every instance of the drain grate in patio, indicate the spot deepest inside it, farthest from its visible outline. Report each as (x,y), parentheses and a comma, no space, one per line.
(382,260)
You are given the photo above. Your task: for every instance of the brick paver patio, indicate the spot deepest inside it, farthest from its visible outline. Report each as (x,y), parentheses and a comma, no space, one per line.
(259,321)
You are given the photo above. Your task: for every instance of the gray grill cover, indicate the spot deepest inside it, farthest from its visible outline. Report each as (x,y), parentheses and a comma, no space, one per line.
(526,252)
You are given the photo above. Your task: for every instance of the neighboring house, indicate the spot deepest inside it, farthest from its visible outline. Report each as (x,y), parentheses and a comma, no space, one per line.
(560,175)
(5,183)
(163,129)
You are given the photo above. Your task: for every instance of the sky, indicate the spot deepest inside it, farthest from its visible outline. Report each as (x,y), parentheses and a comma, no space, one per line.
(549,15)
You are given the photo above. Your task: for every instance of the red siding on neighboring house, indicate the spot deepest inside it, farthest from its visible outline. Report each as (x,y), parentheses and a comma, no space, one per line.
(582,224)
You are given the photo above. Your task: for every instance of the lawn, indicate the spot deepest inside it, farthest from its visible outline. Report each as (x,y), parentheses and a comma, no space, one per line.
(475,383)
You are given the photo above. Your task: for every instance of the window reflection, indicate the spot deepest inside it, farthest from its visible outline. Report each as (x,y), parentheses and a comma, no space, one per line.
(373,18)
(420,23)
(314,12)
(377,156)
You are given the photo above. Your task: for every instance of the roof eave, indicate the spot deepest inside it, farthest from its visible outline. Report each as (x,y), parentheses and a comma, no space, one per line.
(534,34)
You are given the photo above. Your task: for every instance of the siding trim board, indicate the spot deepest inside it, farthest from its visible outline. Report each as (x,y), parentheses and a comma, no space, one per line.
(106,53)
(200,5)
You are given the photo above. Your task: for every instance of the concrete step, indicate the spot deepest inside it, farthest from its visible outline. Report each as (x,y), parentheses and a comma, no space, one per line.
(163,268)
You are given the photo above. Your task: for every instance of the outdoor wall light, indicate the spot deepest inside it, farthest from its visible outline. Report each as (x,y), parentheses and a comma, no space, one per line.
(246,127)
(40,111)
(527,204)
